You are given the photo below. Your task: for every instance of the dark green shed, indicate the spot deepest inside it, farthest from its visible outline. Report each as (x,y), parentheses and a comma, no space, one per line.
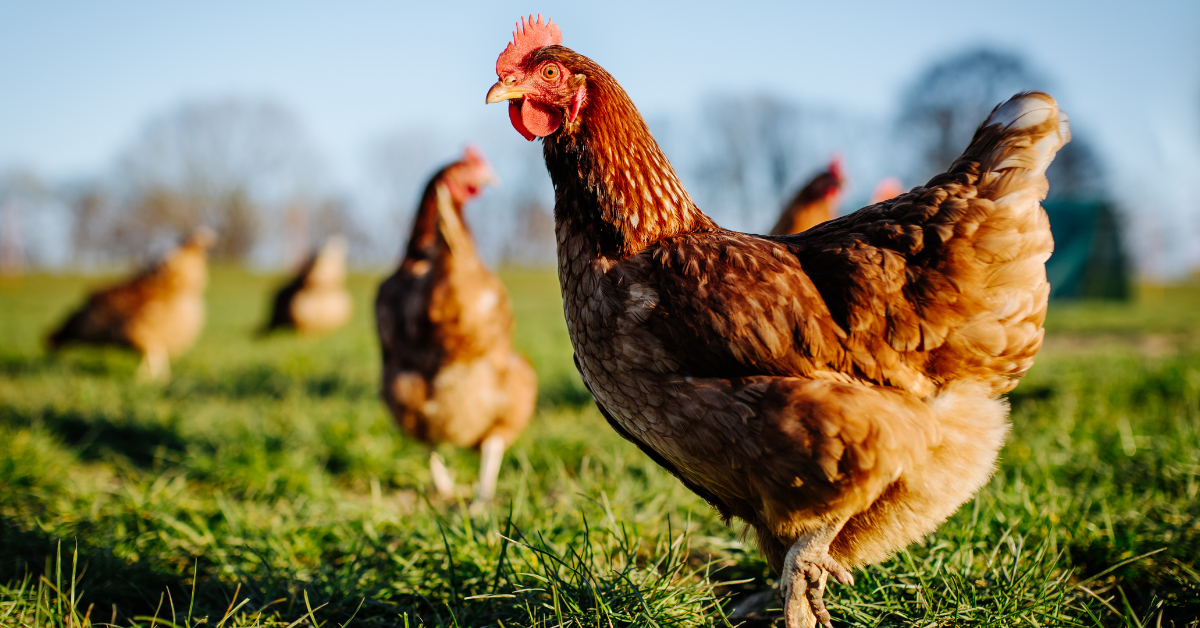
(1089,261)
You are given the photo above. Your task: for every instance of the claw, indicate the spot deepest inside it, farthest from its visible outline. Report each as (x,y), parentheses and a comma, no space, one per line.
(839,573)
(816,596)
(804,597)
(806,569)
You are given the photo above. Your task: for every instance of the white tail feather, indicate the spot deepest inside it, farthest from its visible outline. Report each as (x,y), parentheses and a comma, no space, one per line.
(1028,110)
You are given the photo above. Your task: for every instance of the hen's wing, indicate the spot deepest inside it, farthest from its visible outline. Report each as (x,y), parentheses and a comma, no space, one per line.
(402,317)
(945,281)
(281,303)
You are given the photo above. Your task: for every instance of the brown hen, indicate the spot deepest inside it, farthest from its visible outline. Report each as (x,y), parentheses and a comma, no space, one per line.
(839,389)
(315,302)
(158,312)
(814,203)
(445,324)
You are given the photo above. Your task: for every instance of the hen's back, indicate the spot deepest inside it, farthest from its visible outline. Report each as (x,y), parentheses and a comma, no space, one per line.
(948,281)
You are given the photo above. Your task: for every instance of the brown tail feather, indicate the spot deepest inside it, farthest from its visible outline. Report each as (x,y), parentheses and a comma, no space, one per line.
(1006,247)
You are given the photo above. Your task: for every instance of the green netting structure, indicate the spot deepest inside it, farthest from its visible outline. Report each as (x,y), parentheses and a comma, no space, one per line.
(1089,261)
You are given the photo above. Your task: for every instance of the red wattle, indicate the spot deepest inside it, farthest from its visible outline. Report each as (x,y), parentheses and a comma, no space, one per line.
(514,116)
(534,119)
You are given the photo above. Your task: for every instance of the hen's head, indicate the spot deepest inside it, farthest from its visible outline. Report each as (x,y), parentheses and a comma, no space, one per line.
(828,184)
(202,238)
(887,189)
(837,175)
(465,178)
(540,88)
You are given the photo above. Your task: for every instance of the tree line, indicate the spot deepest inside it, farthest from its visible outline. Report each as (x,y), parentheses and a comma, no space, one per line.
(246,168)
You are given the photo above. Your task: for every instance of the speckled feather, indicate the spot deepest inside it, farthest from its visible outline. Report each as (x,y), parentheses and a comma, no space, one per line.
(851,372)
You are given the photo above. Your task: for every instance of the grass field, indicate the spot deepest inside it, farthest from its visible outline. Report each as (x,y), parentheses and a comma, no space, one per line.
(266,485)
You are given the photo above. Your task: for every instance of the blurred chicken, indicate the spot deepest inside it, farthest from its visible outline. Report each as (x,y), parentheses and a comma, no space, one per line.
(445,325)
(886,190)
(815,203)
(159,312)
(837,389)
(315,302)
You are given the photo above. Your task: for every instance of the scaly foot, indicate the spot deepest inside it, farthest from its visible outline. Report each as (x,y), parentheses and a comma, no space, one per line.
(805,571)
(491,453)
(442,480)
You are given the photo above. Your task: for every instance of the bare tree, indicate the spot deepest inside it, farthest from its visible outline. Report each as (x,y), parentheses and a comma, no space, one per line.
(942,108)
(20,191)
(94,215)
(222,163)
(531,242)
(400,163)
(944,105)
(1078,172)
(334,216)
(296,239)
(753,152)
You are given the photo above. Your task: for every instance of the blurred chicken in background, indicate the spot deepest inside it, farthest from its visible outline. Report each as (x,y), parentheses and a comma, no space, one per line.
(445,325)
(159,311)
(815,203)
(886,190)
(315,302)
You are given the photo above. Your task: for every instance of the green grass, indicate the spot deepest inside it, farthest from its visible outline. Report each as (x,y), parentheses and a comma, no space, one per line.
(266,485)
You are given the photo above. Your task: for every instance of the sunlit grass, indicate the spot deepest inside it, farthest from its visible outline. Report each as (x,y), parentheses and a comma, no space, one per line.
(265,485)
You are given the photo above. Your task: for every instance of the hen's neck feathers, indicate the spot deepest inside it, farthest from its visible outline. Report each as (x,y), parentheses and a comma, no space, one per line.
(426,241)
(626,196)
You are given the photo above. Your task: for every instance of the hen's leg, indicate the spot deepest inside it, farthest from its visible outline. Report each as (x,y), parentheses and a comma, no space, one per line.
(155,366)
(491,452)
(805,569)
(441,476)
(163,370)
(143,369)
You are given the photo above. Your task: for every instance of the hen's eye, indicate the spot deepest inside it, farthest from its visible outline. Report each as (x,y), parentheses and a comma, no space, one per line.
(550,72)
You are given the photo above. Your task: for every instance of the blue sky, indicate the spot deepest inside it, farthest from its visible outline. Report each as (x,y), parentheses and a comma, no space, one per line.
(78,78)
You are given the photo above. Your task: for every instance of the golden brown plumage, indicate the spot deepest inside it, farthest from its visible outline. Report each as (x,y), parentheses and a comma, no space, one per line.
(158,312)
(838,390)
(315,302)
(813,204)
(445,326)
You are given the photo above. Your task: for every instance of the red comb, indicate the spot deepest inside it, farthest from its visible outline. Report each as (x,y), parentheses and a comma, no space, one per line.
(835,167)
(472,154)
(887,189)
(529,36)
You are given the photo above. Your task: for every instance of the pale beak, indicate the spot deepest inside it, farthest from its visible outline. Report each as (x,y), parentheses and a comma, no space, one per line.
(500,92)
